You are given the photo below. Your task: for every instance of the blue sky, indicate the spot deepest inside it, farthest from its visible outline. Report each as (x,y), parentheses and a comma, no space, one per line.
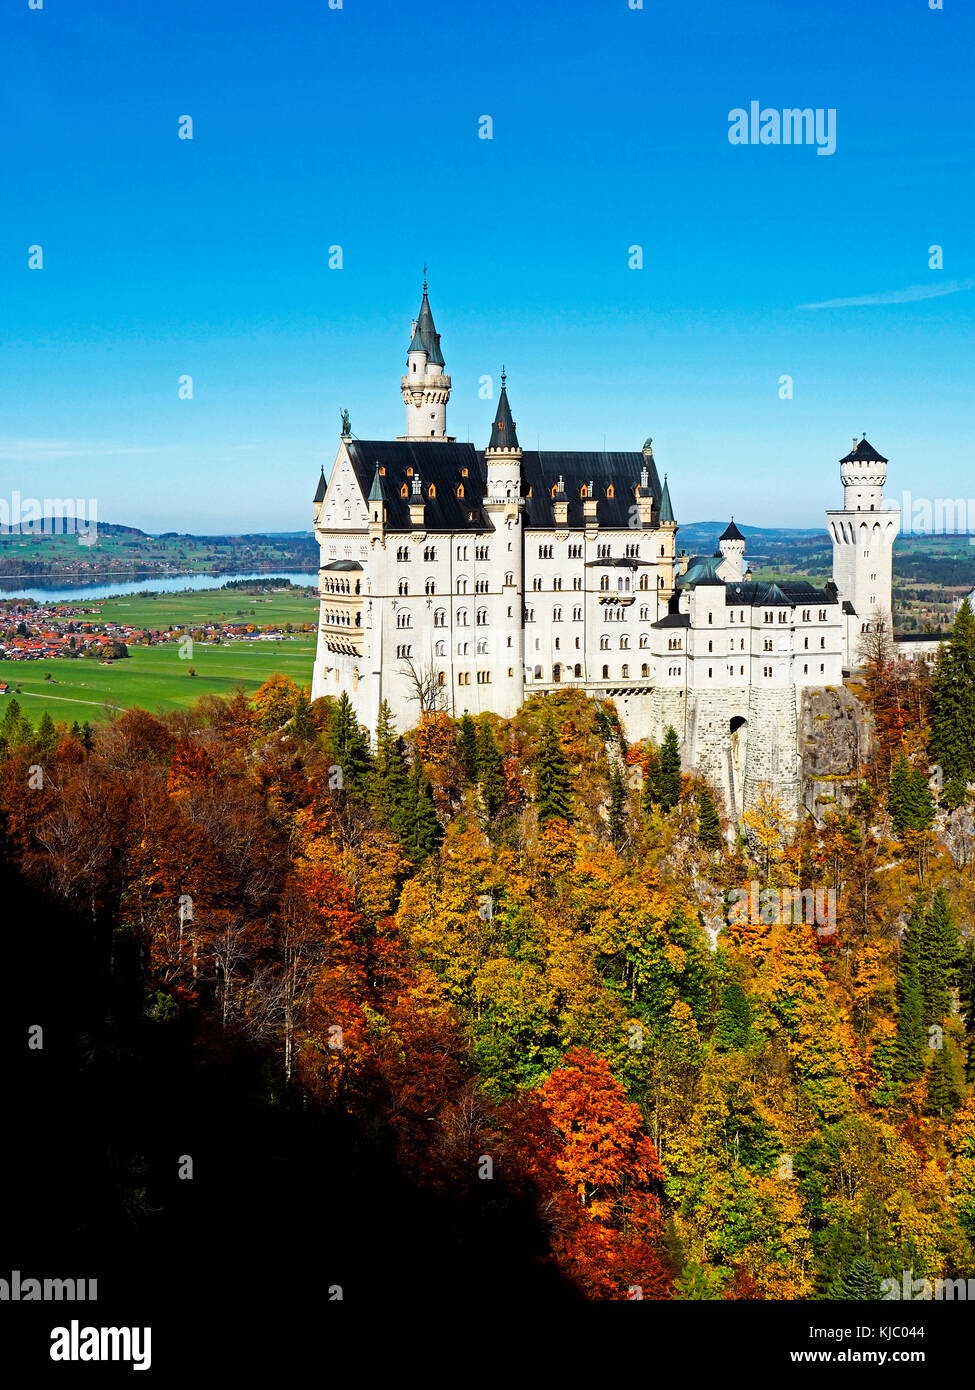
(359,127)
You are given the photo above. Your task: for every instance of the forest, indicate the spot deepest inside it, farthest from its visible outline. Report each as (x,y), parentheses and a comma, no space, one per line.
(465,1005)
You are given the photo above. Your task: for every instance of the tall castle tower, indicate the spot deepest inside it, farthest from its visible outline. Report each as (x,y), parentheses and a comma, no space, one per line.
(863,535)
(505,509)
(425,385)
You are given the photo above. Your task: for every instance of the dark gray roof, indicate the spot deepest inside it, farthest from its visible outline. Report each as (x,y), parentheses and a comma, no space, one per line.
(701,569)
(441,465)
(863,453)
(320,490)
(674,620)
(731,533)
(541,471)
(425,336)
(343,565)
(666,508)
(503,430)
(752,593)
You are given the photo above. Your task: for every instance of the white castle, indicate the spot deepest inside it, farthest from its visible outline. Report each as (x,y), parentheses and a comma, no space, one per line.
(466,579)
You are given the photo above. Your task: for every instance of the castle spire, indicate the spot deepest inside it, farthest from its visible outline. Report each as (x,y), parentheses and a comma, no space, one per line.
(503,434)
(425,387)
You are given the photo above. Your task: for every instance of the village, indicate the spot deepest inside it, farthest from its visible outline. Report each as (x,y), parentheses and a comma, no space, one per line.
(31,632)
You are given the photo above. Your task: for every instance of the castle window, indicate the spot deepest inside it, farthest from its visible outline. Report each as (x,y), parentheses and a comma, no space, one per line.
(610,491)
(806,644)
(463,677)
(710,672)
(604,582)
(768,644)
(822,667)
(644,581)
(481,552)
(462,617)
(822,641)
(710,646)
(484,677)
(404,491)
(604,644)
(556,615)
(441,678)
(805,669)
(482,617)
(409,472)
(710,617)
(440,618)
(644,640)
(463,472)
(605,673)
(480,586)
(440,649)
(462,586)
(430,587)
(577,583)
(556,583)
(404,586)
(644,670)
(529,615)
(432,490)
(538,673)
(509,578)
(536,583)
(822,615)
(625,672)
(403,619)
(766,617)
(460,486)
(577,615)
(624,643)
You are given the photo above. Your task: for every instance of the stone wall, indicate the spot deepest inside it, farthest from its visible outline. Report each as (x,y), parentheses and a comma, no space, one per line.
(835,741)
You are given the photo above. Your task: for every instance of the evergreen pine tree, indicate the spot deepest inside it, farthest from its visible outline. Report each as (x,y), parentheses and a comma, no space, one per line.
(76,730)
(490,771)
(417,822)
(911,1036)
(350,745)
(668,777)
(938,957)
(617,804)
(387,779)
(861,1281)
(967,993)
(47,736)
(943,1090)
(897,796)
(953,700)
(708,821)
(467,748)
(553,790)
(87,736)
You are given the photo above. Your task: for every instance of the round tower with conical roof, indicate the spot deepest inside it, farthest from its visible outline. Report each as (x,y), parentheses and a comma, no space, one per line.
(863,535)
(731,545)
(425,386)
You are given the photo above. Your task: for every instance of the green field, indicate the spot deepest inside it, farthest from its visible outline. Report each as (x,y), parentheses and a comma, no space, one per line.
(156,677)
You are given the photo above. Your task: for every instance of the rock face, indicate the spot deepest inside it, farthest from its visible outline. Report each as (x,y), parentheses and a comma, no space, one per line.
(835,738)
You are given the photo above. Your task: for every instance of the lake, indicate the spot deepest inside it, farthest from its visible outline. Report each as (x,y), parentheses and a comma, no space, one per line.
(11,587)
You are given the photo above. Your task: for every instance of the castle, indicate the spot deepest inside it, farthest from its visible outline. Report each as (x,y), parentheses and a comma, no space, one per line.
(466,579)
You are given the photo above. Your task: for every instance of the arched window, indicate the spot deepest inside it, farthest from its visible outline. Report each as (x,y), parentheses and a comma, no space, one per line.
(462,617)
(460,489)
(604,582)
(644,581)
(577,670)
(624,643)
(462,586)
(604,644)
(403,619)
(644,670)
(605,673)
(625,672)
(644,640)
(440,649)
(509,578)
(440,618)
(482,617)
(556,615)
(404,491)
(430,587)
(404,586)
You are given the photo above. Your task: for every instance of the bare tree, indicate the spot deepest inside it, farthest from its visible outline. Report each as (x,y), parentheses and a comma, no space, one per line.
(428,691)
(875,649)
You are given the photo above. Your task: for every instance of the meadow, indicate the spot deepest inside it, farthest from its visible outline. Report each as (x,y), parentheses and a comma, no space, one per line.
(157,678)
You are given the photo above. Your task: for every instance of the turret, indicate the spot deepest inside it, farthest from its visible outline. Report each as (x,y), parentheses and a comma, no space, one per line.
(417,504)
(863,535)
(667,559)
(425,387)
(377,507)
(320,496)
(503,455)
(731,545)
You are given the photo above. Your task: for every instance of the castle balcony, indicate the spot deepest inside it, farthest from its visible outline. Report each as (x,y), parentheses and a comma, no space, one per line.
(620,600)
